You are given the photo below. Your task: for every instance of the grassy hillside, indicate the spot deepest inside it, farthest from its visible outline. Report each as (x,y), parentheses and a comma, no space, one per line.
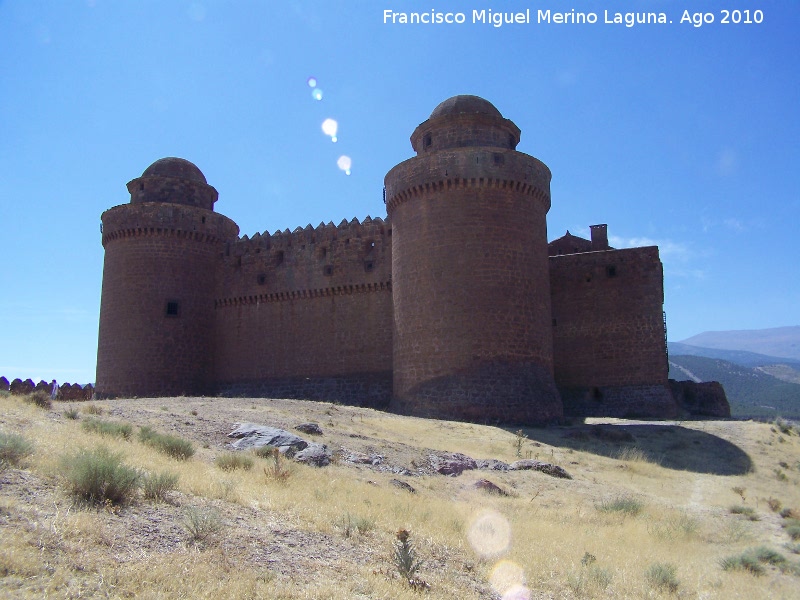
(652,510)
(751,392)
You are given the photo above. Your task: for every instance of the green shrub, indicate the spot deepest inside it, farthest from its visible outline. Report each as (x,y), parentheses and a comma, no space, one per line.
(745,511)
(754,559)
(156,486)
(793,532)
(624,504)
(662,576)
(230,461)
(110,428)
(201,523)
(39,398)
(99,476)
(14,449)
(72,414)
(350,523)
(171,445)
(405,555)
(276,471)
(591,577)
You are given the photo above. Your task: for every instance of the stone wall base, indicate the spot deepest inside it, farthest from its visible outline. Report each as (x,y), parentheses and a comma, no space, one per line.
(626,402)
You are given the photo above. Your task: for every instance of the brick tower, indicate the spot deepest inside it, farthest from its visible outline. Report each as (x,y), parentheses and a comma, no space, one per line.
(470,281)
(159,277)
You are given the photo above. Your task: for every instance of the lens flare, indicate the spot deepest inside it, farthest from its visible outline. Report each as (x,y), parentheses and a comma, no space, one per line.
(489,534)
(312,82)
(506,577)
(329,128)
(316,94)
(517,592)
(344,163)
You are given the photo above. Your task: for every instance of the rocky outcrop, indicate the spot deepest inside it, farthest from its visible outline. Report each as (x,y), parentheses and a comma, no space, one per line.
(250,435)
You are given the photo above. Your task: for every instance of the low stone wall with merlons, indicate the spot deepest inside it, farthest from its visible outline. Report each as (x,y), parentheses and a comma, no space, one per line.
(66,391)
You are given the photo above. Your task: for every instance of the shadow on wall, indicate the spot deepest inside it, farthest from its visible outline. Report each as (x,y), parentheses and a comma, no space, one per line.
(671,446)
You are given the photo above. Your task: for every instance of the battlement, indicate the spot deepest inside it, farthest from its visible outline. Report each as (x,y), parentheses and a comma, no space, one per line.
(309,261)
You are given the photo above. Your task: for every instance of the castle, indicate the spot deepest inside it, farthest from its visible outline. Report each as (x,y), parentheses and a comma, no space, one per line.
(454,306)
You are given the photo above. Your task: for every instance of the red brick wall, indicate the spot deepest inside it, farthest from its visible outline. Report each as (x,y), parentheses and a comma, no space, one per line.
(154,254)
(310,305)
(470,286)
(608,318)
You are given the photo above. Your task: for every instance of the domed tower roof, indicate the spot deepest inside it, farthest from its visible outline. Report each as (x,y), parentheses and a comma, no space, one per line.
(465,121)
(174,181)
(175,167)
(465,104)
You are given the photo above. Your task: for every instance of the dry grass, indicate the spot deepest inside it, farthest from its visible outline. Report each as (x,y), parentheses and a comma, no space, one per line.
(285,537)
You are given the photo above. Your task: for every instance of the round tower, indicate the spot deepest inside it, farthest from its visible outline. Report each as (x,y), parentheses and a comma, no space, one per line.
(159,275)
(470,279)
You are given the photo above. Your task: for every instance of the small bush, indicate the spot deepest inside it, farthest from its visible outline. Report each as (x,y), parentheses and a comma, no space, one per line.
(662,576)
(110,428)
(793,531)
(156,486)
(201,523)
(276,471)
(230,461)
(633,454)
(790,513)
(793,548)
(624,504)
(591,577)
(99,476)
(745,511)
(754,559)
(93,409)
(14,449)
(405,555)
(774,504)
(72,414)
(349,524)
(171,445)
(40,398)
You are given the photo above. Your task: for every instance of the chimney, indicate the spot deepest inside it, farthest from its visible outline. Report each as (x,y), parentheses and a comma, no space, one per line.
(599,237)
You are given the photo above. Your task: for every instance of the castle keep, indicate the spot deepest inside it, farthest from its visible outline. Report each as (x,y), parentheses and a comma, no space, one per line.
(454,306)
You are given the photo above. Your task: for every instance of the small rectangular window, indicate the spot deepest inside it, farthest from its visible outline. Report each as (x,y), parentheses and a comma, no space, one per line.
(262,279)
(327,270)
(368,265)
(611,270)
(427,140)
(279,257)
(172,309)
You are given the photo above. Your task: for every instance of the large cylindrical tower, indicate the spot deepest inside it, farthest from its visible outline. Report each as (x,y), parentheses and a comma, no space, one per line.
(470,282)
(159,281)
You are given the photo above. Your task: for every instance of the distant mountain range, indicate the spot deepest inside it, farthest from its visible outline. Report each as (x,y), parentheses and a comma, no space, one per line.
(759,369)
(777,341)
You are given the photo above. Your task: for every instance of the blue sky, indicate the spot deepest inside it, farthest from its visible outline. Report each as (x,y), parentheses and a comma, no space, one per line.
(674,135)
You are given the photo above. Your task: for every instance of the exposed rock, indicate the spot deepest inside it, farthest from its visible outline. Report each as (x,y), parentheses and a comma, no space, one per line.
(403,486)
(359,458)
(314,454)
(491,465)
(451,463)
(488,486)
(251,435)
(309,428)
(537,465)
